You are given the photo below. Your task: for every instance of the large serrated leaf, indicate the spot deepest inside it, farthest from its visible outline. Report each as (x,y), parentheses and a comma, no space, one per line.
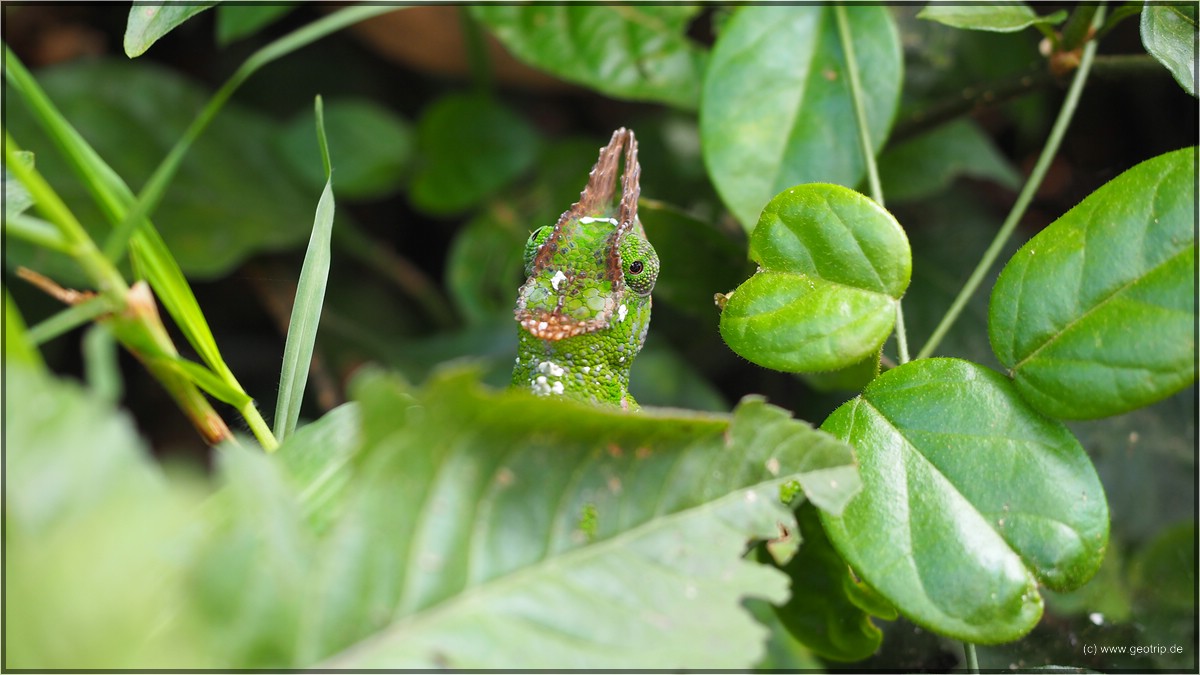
(638,52)
(832,266)
(1096,315)
(776,109)
(970,499)
(504,531)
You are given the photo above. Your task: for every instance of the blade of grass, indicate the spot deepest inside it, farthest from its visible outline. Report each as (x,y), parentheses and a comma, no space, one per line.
(310,297)
(69,319)
(38,232)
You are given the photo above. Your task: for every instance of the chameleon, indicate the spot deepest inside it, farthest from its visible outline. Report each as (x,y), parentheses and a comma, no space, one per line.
(584,308)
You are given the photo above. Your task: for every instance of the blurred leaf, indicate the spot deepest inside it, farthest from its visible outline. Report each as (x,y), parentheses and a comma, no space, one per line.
(150,21)
(318,459)
(101,367)
(310,298)
(485,562)
(469,146)
(16,198)
(964,483)
(776,109)
(999,17)
(237,20)
(832,265)
(1169,34)
(660,377)
(229,199)
(638,52)
(374,148)
(484,266)
(784,652)
(820,613)
(849,378)
(248,576)
(91,537)
(1164,572)
(1096,315)
(697,260)
(1107,594)
(928,163)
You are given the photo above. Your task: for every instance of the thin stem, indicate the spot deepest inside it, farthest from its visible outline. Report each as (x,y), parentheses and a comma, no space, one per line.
(972,658)
(1023,199)
(259,426)
(477,56)
(864,136)
(37,232)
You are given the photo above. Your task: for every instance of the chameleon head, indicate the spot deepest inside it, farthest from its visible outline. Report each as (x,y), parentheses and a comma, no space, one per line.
(586,298)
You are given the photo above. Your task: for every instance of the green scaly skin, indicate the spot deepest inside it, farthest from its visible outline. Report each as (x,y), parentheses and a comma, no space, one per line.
(584,308)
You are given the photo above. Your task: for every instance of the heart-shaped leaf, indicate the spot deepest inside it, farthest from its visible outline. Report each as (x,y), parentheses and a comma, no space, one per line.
(833,265)
(1096,315)
(638,52)
(970,500)
(776,109)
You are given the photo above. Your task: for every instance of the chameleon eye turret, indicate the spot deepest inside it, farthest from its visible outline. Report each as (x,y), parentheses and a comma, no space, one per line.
(584,309)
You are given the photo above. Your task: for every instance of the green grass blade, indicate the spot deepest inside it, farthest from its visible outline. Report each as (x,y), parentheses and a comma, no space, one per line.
(68,319)
(310,296)
(205,379)
(36,231)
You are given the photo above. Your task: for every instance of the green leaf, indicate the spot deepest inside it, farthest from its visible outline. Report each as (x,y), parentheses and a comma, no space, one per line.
(150,21)
(229,199)
(997,17)
(1169,34)
(698,260)
(927,164)
(318,459)
(820,613)
(1163,572)
(91,533)
(1096,315)
(776,109)
(374,146)
(485,263)
(832,266)
(970,500)
(604,539)
(306,308)
(238,20)
(638,52)
(16,198)
(469,147)
(661,377)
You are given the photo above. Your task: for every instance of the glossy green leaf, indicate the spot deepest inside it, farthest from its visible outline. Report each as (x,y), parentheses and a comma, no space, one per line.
(1169,34)
(698,261)
(638,52)
(150,21)
(820,613)
(469,146)
(776,109)
(236,20)
(229,199)
(374,148)
(928,163)
(971,499)
(1096,315)
(604,540)
(832,265)
(998,17)
(310,298)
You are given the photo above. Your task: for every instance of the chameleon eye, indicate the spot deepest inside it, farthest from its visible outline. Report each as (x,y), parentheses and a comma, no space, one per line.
(641,265)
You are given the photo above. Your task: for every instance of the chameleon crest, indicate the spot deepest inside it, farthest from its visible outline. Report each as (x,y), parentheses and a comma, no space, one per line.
(584,308)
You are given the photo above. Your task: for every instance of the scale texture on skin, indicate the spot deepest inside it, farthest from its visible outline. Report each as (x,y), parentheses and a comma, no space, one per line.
(584,308)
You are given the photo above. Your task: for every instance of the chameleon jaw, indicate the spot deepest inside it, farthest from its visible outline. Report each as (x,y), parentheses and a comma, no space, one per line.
(556,327)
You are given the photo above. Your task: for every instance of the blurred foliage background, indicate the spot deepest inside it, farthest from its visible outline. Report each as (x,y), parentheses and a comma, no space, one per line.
(448,151)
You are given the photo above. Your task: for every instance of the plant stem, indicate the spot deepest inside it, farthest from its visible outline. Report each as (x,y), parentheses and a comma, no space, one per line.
(1023,199)
(864,137)
(477,56)
(972,658)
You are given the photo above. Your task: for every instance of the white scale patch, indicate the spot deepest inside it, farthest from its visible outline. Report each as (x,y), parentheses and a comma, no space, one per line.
(550,368)
(557,279)
(589,219)
(622,312)
(541,385)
